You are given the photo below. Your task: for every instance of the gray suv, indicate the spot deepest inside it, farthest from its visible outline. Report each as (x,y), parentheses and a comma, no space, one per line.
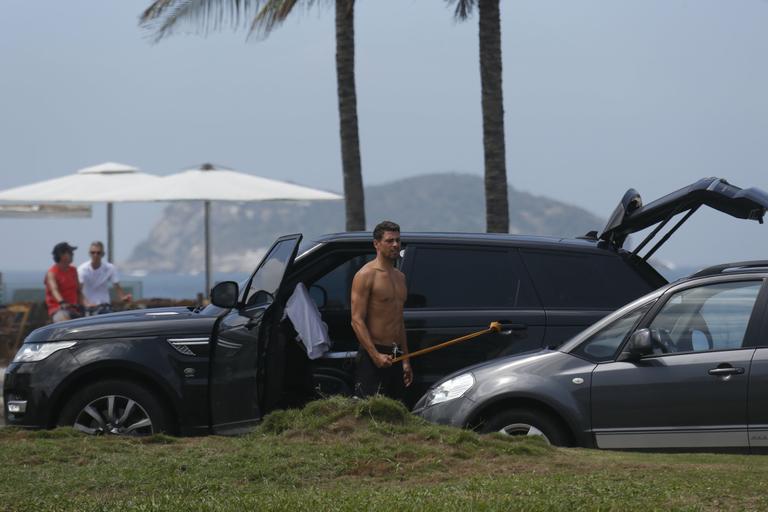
(682,368)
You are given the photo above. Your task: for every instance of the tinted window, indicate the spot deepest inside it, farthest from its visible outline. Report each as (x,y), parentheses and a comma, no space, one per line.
(332,290)
(270,273)
(604,344)
(712,317)
(583,280)
(447,277)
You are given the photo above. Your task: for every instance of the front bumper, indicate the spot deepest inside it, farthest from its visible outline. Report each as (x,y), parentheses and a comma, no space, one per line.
(455,413)
(17,407)
(29,390)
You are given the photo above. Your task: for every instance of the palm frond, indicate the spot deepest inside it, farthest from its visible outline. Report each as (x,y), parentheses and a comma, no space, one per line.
(155,10)
(163,17)
(464,8)
(275,12)
(271,14)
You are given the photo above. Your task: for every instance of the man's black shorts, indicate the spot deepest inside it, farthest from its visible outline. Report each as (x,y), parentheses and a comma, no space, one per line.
(371,380)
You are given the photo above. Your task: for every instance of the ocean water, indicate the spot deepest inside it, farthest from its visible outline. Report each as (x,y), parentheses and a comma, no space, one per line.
(156,285)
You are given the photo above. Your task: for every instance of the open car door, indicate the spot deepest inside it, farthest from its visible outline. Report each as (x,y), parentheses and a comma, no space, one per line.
(631,216)
(240,341)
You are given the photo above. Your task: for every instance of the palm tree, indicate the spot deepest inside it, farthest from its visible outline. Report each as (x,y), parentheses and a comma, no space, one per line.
(496,201)
(163,16)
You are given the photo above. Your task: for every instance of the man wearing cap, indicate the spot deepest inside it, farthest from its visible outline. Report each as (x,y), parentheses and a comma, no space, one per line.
(62,287)
(96,276)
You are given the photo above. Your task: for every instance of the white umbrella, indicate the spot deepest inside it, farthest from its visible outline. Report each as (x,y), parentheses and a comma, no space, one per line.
(99,183)
(38,210)
(209,183)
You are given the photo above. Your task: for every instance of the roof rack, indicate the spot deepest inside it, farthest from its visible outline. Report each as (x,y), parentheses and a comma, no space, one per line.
(738,265)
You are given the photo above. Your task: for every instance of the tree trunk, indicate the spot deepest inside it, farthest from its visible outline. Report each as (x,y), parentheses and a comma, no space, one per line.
(496,202)
(354,200)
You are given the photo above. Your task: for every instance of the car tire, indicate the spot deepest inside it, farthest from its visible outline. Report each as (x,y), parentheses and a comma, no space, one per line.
(527,422)
(115,407)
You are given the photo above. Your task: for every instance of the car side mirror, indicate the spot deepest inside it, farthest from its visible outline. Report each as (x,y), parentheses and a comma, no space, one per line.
(260,297)
(225,294)
(640,344)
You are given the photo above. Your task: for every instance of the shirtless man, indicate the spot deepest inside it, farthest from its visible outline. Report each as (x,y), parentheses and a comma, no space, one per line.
(378,295)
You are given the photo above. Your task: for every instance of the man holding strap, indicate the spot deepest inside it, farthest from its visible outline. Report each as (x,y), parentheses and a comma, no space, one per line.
(378,296)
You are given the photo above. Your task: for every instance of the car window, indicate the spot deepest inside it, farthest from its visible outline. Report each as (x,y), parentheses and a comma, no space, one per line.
(451,277)
(268,277)
(583,280)
(332,291)
(603,345)
(710,317)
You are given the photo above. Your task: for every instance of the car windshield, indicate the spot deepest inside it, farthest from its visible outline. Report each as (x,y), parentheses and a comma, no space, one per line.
(603,345)
(587,333)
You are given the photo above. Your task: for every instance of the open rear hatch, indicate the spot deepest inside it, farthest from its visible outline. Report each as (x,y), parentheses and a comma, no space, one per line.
(631,216)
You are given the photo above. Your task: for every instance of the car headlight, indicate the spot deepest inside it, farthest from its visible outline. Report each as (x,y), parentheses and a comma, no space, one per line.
(450,389)
(31,352)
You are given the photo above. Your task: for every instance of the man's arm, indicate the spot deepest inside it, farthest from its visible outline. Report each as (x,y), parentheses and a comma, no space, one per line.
(407,371)
(125,297)
(51,280)
(361,293)
(403,342)
(115,278)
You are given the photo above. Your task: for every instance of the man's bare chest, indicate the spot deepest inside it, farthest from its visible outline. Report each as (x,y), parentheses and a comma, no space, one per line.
(388,288)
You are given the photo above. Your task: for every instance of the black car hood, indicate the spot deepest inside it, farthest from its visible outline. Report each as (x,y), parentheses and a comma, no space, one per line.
(137,323)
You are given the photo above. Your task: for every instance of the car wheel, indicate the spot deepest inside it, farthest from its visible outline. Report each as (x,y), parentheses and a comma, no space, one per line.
(115,407)
(526,422)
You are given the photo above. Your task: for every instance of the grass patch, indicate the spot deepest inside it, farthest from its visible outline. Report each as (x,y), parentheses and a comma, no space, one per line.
(337,414)
(343,454)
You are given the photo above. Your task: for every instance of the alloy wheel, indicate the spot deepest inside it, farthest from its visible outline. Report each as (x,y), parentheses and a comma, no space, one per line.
(522,429)
(114,415)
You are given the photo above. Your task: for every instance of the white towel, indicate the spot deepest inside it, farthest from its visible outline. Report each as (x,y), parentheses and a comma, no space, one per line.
(306,319)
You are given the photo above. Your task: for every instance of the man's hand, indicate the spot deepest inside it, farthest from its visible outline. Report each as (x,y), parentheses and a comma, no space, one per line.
(382,360)
(127,297)
(407,373)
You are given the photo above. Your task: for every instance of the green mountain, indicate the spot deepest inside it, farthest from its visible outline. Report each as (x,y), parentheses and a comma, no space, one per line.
(437,202)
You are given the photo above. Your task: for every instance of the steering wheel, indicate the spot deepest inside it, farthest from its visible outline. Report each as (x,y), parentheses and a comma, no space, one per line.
(660,338)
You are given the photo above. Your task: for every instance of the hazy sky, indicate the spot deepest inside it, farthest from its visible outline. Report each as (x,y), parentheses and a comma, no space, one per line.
(600,96)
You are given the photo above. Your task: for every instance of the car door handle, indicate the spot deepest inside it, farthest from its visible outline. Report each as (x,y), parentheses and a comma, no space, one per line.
(726,371)
(513,327)
(515,330)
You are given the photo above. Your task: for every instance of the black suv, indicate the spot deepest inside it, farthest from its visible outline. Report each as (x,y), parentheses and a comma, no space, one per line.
(221,368)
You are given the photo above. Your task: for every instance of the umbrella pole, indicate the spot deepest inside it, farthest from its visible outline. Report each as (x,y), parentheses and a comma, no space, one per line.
(110,240)
(207,222)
